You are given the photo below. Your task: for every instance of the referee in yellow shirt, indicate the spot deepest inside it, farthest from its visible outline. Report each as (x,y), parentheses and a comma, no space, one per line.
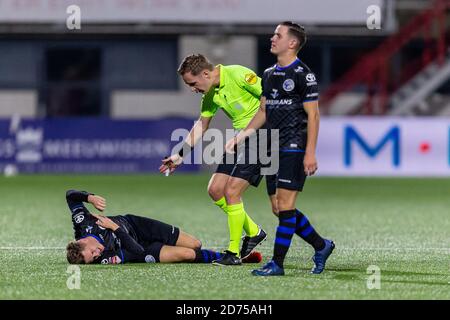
(236,90)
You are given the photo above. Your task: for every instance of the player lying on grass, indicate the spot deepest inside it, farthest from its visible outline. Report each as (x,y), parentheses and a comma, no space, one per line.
(129,238)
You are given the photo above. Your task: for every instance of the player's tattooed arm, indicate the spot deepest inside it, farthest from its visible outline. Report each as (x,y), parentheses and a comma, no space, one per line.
(310,161)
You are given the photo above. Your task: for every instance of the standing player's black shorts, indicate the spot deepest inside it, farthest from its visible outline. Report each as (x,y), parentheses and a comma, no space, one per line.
(241,166)
(291,173)
(153,234)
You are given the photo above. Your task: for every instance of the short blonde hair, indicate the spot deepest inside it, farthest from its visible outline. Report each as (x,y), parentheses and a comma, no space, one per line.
(195,63)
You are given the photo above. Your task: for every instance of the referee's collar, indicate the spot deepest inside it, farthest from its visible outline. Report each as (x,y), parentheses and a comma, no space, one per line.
(222,76)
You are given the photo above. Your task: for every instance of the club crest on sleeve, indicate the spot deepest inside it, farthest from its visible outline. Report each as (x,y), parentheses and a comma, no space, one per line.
(288,85)
(150,259)
(250,78)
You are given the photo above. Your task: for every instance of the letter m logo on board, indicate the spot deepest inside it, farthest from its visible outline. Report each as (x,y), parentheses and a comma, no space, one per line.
(352,136)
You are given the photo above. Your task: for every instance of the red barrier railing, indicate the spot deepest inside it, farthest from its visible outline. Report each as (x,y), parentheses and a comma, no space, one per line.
(372,70)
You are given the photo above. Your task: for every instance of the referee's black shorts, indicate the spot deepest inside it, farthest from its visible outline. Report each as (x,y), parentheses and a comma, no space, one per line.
(244,163)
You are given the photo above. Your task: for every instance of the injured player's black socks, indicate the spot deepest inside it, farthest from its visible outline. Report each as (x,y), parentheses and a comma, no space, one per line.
(306,231)
(206,256)
(283,238)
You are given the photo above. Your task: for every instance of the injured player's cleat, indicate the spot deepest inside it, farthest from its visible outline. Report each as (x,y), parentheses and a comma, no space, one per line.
(254,257)
(228,259)
(320,257)
(249,243)
(269,269)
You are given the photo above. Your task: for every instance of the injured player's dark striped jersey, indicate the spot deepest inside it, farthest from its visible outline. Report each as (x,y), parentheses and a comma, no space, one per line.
(285,90)
(120,245)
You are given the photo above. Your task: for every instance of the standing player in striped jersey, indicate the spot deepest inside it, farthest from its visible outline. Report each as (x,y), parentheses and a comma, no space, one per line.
(289,103)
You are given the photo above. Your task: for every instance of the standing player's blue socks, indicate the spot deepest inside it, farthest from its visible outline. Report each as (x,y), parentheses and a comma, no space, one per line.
(206,256)
(306,231)
(285,231)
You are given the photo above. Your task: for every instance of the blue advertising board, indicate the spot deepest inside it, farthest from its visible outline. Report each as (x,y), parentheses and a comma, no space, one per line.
(89,145)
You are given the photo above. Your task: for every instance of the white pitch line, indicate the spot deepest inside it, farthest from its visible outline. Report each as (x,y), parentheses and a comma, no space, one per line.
(395,249)
(268,248)
(358,249)
(32,248)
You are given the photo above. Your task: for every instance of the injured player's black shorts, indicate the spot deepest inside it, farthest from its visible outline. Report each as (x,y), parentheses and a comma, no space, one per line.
(153,234)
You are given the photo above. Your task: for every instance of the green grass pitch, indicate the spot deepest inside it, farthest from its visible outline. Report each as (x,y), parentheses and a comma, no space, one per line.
(400,225)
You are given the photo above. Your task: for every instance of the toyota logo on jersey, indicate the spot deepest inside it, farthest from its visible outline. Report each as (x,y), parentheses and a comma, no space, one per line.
(310,77)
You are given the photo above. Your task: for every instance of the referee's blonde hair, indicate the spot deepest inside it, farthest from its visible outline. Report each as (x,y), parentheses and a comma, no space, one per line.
(195,63)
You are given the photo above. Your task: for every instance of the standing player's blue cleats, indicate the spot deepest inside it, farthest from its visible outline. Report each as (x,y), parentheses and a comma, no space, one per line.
(320,257)
(269,269)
